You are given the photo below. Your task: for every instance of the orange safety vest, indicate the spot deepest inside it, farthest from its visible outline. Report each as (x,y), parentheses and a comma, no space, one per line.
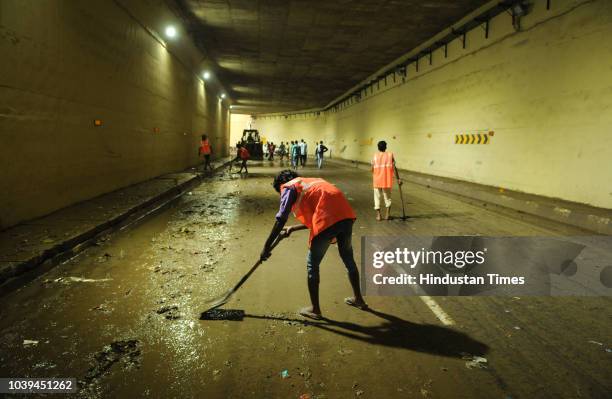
(205,147)
(319,204)
(244,153)
(382,169)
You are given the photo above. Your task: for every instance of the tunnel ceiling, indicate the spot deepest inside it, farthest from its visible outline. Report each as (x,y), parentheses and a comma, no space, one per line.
(284,55)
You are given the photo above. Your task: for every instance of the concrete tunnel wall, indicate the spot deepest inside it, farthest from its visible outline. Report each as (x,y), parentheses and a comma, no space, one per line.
(66,63)
(545,92)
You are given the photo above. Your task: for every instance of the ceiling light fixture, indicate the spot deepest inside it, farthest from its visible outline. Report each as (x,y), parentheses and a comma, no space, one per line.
(170,31)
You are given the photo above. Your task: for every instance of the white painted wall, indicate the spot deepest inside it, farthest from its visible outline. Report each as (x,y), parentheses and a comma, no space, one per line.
(545,92)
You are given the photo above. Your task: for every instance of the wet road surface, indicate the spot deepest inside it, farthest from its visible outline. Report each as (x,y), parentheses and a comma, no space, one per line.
(123,317)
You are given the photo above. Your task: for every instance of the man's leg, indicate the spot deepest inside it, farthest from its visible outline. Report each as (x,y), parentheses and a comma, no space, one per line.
(387,196)
(345,248)
(244,163)
(318,248)
(377,203)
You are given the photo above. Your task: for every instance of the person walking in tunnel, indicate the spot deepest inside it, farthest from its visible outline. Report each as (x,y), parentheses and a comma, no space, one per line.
(271,149)
(320,150)
(383,167)
(205,150)
(243,155)
(282,151)
(295,155)
(303,152)
(323,209)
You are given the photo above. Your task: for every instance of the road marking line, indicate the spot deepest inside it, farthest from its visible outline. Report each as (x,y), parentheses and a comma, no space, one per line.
(437,310)
(430,302)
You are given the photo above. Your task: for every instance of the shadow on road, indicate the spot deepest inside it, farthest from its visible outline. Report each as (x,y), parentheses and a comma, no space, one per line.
(393,332)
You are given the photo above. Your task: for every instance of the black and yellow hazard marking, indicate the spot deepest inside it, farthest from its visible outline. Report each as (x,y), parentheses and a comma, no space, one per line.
(471,139)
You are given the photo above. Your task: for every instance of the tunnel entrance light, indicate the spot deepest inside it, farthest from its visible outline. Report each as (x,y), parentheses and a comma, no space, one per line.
(206,75)
(170,31)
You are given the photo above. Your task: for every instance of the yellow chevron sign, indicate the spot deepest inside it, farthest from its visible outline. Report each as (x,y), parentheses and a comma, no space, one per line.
(471,139)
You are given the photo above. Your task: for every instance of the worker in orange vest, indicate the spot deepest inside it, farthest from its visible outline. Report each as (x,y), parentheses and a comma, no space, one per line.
(205,150)
(324,210)
(383,167)
(244,155)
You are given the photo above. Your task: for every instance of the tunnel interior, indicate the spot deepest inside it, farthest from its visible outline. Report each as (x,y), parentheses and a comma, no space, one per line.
(309,199)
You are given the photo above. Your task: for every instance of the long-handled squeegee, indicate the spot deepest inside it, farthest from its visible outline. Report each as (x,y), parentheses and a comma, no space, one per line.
(222,300)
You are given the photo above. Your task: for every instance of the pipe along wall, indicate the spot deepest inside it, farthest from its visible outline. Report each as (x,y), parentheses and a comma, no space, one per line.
(542,96)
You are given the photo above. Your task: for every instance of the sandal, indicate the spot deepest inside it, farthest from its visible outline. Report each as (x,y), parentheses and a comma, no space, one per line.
(352,302)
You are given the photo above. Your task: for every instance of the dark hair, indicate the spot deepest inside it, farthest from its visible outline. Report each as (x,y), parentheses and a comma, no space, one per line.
(382,145)
(282,178)
(204,137)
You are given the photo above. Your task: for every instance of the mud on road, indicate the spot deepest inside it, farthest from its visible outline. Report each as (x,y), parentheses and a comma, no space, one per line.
(123,317)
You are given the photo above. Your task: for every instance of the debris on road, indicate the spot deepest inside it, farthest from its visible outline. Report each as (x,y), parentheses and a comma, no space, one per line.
(67,280)
(284,374)
(29,342)
(127,351)
(596,343)
(170,312)
(344,352)
(474,362)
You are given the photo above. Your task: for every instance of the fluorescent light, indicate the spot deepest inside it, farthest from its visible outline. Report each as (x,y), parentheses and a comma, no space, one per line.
(171,31)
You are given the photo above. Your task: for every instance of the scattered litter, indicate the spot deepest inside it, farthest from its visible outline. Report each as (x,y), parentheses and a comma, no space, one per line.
(284,374)
(44,365)
(29,342)
(608,350)
(67,280)
(103,307)
(343,352)
(596,343)
(126,352)
(358,392)
(216,372)
(305,396)
(104,258)
(170,312)
(48,241)
(474,362)
(516,327)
